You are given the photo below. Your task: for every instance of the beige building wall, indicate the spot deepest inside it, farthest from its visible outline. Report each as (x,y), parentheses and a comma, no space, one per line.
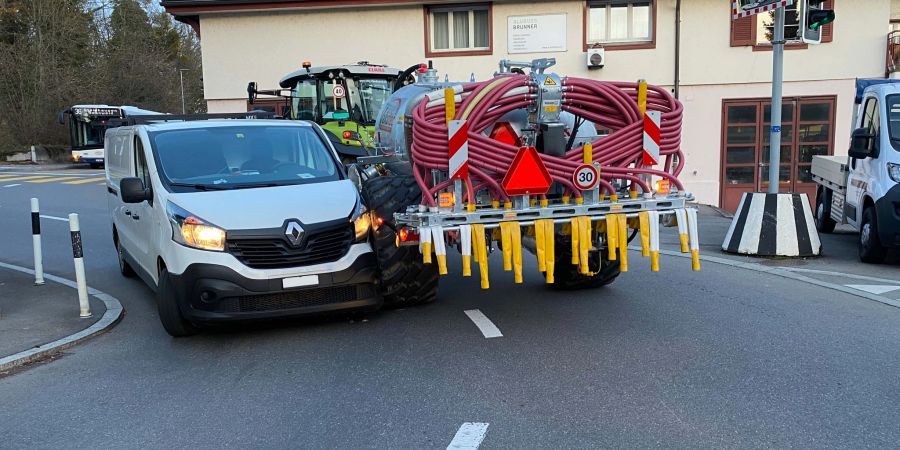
(264,46)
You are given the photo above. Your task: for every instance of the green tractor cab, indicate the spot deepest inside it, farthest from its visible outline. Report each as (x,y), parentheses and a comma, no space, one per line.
(343,100)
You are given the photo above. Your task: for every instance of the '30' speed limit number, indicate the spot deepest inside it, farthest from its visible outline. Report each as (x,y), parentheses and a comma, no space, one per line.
(586,177)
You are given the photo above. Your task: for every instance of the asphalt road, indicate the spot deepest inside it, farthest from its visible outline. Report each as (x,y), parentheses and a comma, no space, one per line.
(720,358)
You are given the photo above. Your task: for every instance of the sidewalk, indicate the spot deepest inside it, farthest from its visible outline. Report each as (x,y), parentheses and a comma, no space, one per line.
(31,316)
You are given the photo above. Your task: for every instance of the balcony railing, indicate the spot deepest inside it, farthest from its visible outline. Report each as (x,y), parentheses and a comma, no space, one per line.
(893,54)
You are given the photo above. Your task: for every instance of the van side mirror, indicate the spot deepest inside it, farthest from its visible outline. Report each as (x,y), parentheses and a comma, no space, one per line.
(133,191)
(863,144)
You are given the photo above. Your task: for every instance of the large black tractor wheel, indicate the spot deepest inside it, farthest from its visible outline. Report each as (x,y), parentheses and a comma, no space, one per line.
(566,276)
(405,279)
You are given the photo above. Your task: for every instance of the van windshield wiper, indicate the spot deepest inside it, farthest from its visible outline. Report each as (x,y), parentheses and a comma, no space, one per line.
(201,187)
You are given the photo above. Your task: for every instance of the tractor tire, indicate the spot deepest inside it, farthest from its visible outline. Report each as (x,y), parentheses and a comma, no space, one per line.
(405,279)
(870,248)
(566,276)
(824,223)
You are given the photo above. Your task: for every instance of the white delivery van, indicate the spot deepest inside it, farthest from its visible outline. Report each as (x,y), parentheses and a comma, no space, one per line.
(238,219)
(863,190)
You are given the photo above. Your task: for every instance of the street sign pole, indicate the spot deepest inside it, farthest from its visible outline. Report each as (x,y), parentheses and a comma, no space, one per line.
(777,80)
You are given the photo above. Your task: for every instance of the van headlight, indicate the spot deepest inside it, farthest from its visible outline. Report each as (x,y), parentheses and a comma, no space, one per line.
(894,172)
(192,231)
(362,222)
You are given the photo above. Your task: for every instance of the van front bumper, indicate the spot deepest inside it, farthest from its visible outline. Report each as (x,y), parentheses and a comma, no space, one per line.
(213,293)
(888,214)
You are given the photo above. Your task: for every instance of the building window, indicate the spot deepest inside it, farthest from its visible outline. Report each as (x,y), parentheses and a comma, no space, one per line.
(458,29)
(615,22)
(765,26)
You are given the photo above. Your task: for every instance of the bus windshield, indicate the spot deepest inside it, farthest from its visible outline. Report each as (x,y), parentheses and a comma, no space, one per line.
(85,135)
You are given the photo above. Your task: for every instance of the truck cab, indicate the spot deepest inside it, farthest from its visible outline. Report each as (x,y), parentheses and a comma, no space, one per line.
(864,190)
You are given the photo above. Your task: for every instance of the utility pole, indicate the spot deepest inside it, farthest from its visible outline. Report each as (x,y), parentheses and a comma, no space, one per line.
(181,76)
(777,81)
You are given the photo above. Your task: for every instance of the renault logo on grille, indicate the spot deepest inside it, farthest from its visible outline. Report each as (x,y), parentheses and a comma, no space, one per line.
(294,232)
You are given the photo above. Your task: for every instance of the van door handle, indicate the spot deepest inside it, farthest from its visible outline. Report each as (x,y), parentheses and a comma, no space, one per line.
(127,212)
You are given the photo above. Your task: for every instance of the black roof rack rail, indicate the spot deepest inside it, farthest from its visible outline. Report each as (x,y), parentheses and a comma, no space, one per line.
(160,118)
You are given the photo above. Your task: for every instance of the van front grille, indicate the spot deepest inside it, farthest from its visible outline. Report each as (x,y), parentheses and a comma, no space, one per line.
(276,252)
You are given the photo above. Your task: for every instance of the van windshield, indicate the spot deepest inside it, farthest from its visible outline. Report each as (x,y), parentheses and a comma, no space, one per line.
(237,157)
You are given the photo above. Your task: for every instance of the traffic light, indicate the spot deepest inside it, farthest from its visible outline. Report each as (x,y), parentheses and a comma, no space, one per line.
(813,16)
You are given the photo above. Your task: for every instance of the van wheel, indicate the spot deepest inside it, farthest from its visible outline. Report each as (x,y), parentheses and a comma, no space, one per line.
(405,279)
(566,276)
(124,268)
(870,249)
(169,313)
(824,222)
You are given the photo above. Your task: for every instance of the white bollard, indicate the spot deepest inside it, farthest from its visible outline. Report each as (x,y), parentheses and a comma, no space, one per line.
(78,254)
(36,240)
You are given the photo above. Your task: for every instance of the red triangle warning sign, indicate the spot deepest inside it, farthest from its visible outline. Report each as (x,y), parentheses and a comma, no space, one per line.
(527,174)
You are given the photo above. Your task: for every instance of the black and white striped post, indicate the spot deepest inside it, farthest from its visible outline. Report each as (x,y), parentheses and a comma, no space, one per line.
(768,224)
(36,241)
(78,254)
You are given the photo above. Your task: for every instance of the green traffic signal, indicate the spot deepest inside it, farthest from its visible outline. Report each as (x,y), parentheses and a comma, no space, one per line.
(819,17)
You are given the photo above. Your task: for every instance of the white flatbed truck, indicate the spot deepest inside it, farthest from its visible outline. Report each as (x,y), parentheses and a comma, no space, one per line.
(863,189)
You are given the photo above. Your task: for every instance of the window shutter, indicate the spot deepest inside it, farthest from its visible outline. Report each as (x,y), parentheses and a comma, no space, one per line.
(742,31)
(828,30)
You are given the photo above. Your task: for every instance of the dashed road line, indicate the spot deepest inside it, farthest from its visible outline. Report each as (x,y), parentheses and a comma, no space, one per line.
(12,185)
(488,329)
(30,177)
(61,219)
(52,179)
(876,289)
(469,436)
(86,180)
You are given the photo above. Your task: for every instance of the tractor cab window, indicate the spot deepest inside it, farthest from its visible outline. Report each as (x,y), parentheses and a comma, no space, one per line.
(370,95)
(332,104)
(304,100)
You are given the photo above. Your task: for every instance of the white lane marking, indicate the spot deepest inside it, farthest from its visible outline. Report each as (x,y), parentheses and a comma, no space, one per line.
(488,329)
(873,288)
(13,185)
(840,274)
(83,174)
(62,219)
(469,436)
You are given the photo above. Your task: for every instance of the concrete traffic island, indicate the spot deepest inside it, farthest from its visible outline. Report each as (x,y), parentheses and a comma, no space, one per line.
(37,322)
(773,225)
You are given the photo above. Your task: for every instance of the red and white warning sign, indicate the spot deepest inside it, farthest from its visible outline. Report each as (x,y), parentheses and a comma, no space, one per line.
(586,177)
(527,175)
(338,91)
(744,8)
(458,146)
(651,139)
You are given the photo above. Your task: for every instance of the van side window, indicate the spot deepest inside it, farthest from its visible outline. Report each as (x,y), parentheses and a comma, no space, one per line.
(140,162)
(871,118)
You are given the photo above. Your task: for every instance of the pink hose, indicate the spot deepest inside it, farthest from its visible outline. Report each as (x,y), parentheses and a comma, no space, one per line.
(609,105)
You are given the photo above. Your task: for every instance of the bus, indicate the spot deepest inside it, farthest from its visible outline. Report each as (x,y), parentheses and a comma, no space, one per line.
(87,127)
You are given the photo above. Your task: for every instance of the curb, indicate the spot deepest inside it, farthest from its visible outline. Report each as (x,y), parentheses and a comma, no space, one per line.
(790,273)
(109,319)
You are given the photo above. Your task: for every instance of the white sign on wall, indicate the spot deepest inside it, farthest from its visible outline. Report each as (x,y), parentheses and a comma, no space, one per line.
(536,34)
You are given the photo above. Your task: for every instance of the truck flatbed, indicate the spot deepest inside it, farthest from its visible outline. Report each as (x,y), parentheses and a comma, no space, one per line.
(831,172)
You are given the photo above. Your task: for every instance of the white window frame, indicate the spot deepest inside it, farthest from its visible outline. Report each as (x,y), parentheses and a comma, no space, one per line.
(450,10)
(628,40)
(761,28)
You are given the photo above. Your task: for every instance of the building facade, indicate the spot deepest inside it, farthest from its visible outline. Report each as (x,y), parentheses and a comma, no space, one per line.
(721,69)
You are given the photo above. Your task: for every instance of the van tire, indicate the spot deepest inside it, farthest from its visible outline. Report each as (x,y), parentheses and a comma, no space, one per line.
(824,222)
(124,268)
(169,312)
(566,276)
(870,248)
(405,279)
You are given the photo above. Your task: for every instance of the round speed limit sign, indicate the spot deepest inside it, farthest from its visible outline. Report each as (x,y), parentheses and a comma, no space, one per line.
(586,177)
(338,91)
